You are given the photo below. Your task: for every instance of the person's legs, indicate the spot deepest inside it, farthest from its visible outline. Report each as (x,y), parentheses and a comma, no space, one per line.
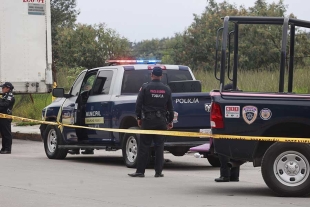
(143,152)
(6,135)
(1,131)
(234,173)
(224,169)
(159,154)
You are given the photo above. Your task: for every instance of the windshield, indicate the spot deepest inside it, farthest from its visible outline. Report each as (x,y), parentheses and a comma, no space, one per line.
(133,79)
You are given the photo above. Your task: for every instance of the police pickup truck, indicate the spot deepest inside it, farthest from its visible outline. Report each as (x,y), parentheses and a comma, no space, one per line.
(285,166)
(105,97)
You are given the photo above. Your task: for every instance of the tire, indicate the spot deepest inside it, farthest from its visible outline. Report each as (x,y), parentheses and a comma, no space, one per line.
(285,169)
(52,138)
(214,161)
(130,148)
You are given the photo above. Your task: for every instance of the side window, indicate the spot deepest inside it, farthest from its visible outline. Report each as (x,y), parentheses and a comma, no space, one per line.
(77,84)
(133,80)
(88,82)
(103,82)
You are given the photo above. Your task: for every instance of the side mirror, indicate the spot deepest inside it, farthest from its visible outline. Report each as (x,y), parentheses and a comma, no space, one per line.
(58,92)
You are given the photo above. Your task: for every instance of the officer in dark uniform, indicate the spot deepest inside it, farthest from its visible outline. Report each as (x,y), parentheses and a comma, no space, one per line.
(228,172)
(6,104)
(154,111)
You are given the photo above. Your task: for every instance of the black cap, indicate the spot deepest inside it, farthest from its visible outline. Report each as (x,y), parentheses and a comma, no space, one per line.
(157,71)
(8,85)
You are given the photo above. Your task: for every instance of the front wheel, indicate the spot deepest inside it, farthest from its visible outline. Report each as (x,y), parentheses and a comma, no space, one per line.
(285,169)
(130,149)
(52,139)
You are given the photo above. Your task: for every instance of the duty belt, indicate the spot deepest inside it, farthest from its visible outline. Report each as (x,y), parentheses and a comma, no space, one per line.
(156,113)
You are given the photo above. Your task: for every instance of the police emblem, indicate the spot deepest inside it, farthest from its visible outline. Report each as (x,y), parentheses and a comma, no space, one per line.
(265,114)
(249,114)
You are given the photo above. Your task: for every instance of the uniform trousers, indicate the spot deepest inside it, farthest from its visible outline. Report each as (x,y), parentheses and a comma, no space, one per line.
(157,123)
(6,134)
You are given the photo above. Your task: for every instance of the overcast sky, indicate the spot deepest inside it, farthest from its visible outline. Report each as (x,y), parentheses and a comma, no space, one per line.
(144,19)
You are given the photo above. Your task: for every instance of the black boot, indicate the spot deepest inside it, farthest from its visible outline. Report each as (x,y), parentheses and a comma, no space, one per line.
(5,152)
(141,175)
(158,175)
(222,179)
(234,179)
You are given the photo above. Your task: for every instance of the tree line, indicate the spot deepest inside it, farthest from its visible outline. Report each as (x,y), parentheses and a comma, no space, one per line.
(88,46)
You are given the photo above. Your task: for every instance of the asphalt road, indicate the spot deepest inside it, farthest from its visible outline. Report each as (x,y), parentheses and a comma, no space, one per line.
(29,178)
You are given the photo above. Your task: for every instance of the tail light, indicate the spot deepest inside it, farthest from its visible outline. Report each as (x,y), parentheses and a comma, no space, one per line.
(216,116)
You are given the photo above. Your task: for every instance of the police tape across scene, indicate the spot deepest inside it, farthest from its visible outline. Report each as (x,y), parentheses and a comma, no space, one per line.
(168,133)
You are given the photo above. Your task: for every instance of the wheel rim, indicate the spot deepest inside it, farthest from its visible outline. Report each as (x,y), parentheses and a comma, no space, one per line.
(291,168)
(52,140)
(131,148)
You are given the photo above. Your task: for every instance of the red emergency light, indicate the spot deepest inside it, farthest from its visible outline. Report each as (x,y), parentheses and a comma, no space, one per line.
(121,61)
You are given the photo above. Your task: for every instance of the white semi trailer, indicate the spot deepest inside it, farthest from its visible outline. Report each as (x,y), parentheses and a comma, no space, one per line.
(25,45)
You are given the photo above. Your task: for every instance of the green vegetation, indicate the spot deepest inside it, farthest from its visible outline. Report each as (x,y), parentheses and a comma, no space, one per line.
(258,81)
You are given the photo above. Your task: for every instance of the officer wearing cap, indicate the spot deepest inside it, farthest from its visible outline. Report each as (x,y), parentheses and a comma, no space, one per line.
(154,111)
(6,105)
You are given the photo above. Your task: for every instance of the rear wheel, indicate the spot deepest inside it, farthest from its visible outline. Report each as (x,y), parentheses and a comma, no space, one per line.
(52,139)
(285,169)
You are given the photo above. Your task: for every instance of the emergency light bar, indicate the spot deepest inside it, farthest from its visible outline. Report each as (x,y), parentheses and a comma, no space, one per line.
(134,61)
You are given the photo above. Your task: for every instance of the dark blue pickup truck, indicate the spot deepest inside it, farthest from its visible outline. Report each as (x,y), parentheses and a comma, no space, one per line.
(105,98)
(285,166)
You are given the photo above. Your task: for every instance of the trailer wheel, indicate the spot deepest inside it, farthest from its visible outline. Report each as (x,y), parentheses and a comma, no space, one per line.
(285,169)
(214,161)
(130,148)
(52,138)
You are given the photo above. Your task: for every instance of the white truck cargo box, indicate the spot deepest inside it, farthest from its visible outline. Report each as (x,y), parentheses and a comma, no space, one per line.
(25,45)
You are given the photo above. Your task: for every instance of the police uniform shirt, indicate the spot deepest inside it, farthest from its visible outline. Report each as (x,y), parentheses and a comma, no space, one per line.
(6,103)
(154,96)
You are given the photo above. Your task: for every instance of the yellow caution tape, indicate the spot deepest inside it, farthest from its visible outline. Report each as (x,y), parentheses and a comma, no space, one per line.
(168,133)
(258,138)
(135,131)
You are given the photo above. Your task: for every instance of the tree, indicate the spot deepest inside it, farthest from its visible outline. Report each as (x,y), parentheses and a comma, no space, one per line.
(63,15)
(150,49)
(259,45)
(89,46)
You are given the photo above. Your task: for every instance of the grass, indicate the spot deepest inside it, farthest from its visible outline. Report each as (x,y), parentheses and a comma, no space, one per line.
(24,107)
(265,81)
(25,123)
(258,81)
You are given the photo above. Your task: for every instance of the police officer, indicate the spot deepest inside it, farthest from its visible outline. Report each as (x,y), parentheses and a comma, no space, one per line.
(227,171)
(6,104)
(154,111)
